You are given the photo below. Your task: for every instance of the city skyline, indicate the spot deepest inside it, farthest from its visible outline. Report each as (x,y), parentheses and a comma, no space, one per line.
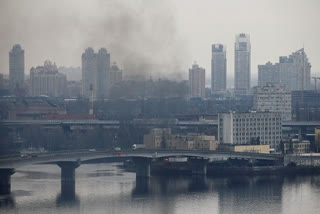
(185,45)
(171,106)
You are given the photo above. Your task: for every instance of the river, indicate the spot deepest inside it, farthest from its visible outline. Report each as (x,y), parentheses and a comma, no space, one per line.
(106,188)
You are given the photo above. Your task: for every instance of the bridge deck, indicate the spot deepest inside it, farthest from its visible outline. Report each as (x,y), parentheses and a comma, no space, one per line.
(85,156)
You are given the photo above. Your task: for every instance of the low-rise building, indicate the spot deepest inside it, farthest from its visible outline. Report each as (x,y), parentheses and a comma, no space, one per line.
(296,146)
(156,138)
(163,138)
(265,149)
(34,109)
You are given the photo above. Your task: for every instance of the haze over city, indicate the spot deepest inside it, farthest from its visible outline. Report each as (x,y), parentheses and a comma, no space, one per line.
(159,106)
(158,38)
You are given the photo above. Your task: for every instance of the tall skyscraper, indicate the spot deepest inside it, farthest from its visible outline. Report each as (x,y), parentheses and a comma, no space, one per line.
(242,58)
(293,72)
(95,73)
(218,68)
(103,73)
(197,79)
(89,68)
(16,68)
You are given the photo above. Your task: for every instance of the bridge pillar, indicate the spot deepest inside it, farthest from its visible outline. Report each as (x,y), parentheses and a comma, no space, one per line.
(5,180)
(142,166)
(198,166)
(68,183)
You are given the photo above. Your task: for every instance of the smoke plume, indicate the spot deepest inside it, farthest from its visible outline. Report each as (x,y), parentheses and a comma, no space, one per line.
(140,34)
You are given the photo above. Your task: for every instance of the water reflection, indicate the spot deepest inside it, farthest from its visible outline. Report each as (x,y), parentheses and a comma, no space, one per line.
(121,192)
(262,194)
(235,194)
(68,199)
(142,186)
(198,184)
(315,182)
(7,201)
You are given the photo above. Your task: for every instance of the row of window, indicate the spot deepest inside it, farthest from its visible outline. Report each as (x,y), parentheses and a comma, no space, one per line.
(257,133)
(253,125)
(257,119)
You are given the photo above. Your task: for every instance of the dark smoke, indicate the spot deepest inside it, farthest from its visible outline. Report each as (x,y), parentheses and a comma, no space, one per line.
(140,34)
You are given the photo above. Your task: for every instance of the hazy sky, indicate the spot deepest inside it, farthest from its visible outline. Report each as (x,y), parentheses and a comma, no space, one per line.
(162,37)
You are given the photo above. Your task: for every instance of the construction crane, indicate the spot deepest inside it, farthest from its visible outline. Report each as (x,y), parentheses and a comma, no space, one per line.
(315,82)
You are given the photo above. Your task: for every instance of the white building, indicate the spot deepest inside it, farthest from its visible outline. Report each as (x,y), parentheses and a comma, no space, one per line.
(273,98)
(262,128)
(46,80)
(242,62)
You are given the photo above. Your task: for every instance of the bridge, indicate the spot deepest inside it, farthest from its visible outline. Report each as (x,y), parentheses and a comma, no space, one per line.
(68,162)
(9,123)
(151,122)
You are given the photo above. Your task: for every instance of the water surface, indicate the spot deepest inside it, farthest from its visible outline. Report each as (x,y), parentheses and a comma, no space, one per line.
(105,188)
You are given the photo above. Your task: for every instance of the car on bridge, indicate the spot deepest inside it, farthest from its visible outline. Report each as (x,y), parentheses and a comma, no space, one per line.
(117,149)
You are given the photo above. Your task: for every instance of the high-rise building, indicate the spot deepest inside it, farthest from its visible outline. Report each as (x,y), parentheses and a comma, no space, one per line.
(103,73)
(115,74)
(262,128)
(242,59)
(16,68)
(89,70)
(268,73)
(293,72)
(218,68)
(273,98)
(46,80)
(197,78)
(95,73)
